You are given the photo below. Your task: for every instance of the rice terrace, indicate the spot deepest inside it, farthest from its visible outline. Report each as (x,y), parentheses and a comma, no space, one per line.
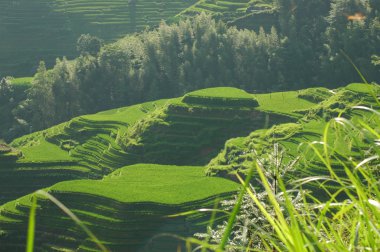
(189,125)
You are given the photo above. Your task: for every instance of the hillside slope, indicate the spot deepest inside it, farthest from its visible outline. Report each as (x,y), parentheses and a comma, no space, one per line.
(70,150)
(187,130)
(182,131)
(126,203)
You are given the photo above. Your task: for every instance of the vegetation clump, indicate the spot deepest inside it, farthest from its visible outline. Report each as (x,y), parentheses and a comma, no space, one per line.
(8,153)
(237,154)
(315,95)
(337,104)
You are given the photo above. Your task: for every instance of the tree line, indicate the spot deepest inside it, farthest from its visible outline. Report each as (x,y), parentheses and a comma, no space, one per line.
(306,48)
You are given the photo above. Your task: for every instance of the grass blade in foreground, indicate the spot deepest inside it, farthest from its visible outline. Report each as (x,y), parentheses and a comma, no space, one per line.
(234,213)
(31,225)
(74,218)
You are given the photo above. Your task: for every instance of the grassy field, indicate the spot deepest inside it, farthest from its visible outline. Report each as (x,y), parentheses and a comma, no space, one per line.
(227,93)
(191,130)
(283,102)
(163,131)
(22,81)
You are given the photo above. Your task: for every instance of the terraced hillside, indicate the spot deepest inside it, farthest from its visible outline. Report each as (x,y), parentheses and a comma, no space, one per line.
(84,147)
(97,162)
(125,210)
(191,130)
(251,14)
(186,130)
(183,131)
(43,30)
(237,153)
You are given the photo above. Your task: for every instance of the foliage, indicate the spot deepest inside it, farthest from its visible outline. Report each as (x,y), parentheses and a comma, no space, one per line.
(6,91)
(350,24)
(89,44)
(315,94)
(237,155)
(375,60)
(12,93)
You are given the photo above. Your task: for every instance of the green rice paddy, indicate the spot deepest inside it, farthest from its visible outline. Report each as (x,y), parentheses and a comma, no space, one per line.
(283,102)
(164,184)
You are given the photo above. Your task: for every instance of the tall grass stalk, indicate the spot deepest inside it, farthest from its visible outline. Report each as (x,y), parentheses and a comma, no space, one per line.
(234,213)
(32,221)
(31,225)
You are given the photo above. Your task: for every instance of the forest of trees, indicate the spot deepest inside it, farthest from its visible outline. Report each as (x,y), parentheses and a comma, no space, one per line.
(307,48)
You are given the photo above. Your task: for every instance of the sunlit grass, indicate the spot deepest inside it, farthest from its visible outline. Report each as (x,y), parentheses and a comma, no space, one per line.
(152,183)
(283,102)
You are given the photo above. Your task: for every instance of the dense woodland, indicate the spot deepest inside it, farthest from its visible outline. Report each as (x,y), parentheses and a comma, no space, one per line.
(310,45)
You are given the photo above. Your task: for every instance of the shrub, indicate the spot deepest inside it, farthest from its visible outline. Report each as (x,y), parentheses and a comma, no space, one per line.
(315,94)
